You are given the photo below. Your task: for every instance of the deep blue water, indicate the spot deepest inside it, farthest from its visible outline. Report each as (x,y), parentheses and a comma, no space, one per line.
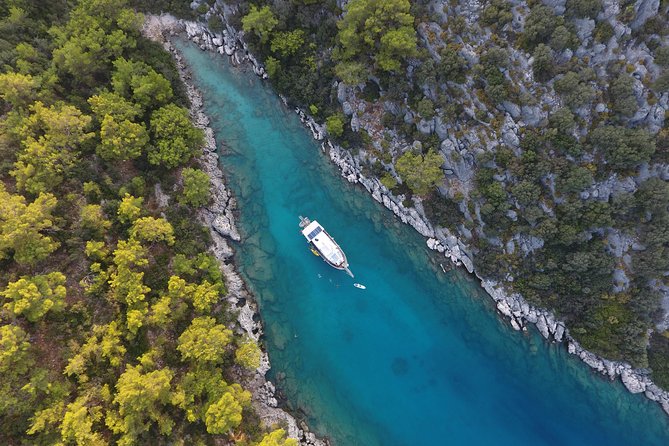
(420,357)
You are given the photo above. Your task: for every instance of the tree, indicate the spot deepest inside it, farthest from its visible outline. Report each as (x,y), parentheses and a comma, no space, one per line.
(575,92)
(130,208)
(78,421)
(452,66)
(175,137)
(379,33)
(33,297)
(196,185)
(421,172)
(277,438)
(15,357)
(104,344)
(562,120)
(138,81)
(621,92)
(51,137)
(335,125)
(150,229)
(539,25)
(17,89)
(121,140)
(287,43)
(21,227)
(584,8)
(623,148)
(248,355)
(260,21)
(93,220)
(543,65)
(141,399)
(115,105)
(223,415)
(204,341)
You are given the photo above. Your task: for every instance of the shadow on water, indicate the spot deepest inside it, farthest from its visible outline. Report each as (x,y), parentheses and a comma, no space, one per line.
(420,356)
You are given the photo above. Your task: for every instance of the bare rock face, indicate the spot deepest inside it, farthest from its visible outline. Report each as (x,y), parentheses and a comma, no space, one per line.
(644,9)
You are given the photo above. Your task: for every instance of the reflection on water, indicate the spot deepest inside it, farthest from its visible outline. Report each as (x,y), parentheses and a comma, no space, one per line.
(420,356)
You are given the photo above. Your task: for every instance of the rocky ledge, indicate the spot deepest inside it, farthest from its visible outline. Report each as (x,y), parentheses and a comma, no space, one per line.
(512,305)
(218,216)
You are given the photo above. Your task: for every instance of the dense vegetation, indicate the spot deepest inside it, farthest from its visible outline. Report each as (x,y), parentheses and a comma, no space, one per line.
(113,325)
(405,72)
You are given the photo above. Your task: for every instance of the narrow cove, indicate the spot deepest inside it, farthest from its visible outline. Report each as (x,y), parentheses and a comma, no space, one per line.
(420,357)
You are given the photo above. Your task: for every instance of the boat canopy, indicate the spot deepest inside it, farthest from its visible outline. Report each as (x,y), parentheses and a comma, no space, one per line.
(327,247)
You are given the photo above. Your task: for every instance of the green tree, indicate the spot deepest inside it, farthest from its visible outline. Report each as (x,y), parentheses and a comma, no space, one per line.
(21,227)
(335,125)
(138,81)
(562,120)
(376,33)
(33,297)
(277,438)
(421,172)
(142,399)
(621,92)
(575,92)
(623,148)
(204,341)
(176,139)
(584,8)
(260,21)
(196,185)
(543,65)
(248,355)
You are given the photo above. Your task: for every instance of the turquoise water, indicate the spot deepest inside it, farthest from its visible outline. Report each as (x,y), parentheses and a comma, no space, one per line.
(420,357)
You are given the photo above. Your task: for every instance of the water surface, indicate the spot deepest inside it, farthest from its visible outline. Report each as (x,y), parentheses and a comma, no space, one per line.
(420,357)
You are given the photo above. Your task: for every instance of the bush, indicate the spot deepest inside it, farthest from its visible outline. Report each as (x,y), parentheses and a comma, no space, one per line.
(442,210)
(622,95)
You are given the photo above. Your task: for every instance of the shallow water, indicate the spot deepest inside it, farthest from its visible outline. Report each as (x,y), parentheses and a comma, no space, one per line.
(419,357)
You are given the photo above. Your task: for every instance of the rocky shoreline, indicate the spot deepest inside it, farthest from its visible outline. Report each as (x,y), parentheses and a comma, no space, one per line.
(218,216)
(512,305)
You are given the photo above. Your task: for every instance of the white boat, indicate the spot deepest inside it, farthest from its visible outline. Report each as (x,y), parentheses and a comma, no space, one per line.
(323,245)
(358,285)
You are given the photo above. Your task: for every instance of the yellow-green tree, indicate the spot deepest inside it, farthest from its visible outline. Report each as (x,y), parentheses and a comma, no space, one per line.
(33,297)
(130,208)
(112,104)
(196,186)
(121,140)
(21,227)
(150,229)
(204,341)
(104,344)
(17,89)
(176,139)
(142,400)
(421,172)
(248,355)
(277,438)
(51,139)
(377,33)
(260,21)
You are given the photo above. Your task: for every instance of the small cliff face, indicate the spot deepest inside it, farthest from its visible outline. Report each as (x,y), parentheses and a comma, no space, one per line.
(550,119)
